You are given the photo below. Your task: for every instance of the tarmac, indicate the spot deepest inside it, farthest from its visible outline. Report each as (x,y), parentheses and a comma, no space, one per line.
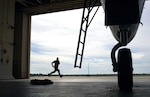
(74,86)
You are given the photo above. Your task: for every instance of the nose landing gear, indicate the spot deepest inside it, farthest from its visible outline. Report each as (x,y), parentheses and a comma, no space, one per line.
(124,64)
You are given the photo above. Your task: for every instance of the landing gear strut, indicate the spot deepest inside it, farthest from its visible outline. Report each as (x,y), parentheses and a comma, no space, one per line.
(124,64)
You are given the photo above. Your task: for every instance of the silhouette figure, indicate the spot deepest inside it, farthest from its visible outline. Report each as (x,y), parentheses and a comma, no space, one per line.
(55,64)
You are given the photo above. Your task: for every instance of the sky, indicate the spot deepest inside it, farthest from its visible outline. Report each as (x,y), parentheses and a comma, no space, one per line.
(56,35)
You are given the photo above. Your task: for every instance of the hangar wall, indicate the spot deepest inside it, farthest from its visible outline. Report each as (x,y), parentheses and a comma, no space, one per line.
(7,10)
(14,41)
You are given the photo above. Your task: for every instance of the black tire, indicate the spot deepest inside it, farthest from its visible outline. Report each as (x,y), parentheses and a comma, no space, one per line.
(125,70)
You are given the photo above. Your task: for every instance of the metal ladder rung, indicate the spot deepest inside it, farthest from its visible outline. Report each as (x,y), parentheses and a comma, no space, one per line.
(81,42)
(84,19)
(83,30)
(80,54)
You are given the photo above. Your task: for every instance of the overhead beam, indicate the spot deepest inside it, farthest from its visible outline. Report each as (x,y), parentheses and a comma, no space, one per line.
(57,6)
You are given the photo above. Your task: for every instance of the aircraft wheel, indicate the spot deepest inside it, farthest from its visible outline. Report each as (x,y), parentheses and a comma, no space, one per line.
(125,77)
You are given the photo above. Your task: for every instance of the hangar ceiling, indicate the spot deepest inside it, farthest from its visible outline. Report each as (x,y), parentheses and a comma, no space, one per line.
(35,7)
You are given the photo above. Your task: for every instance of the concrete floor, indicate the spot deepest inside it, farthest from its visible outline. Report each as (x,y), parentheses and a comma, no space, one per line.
(74,87)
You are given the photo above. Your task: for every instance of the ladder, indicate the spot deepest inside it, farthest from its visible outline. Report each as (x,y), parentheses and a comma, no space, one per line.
(85,22)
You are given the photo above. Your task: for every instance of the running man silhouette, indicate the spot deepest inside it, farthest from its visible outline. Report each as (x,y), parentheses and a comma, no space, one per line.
(55,64)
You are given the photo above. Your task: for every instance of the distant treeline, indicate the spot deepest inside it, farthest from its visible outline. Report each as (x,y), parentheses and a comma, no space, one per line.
(40,74)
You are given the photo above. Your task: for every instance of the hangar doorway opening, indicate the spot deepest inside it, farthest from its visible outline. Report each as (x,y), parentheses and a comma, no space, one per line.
(53,35)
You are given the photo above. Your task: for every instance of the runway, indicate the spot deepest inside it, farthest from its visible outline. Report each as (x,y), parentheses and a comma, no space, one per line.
(70,86)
